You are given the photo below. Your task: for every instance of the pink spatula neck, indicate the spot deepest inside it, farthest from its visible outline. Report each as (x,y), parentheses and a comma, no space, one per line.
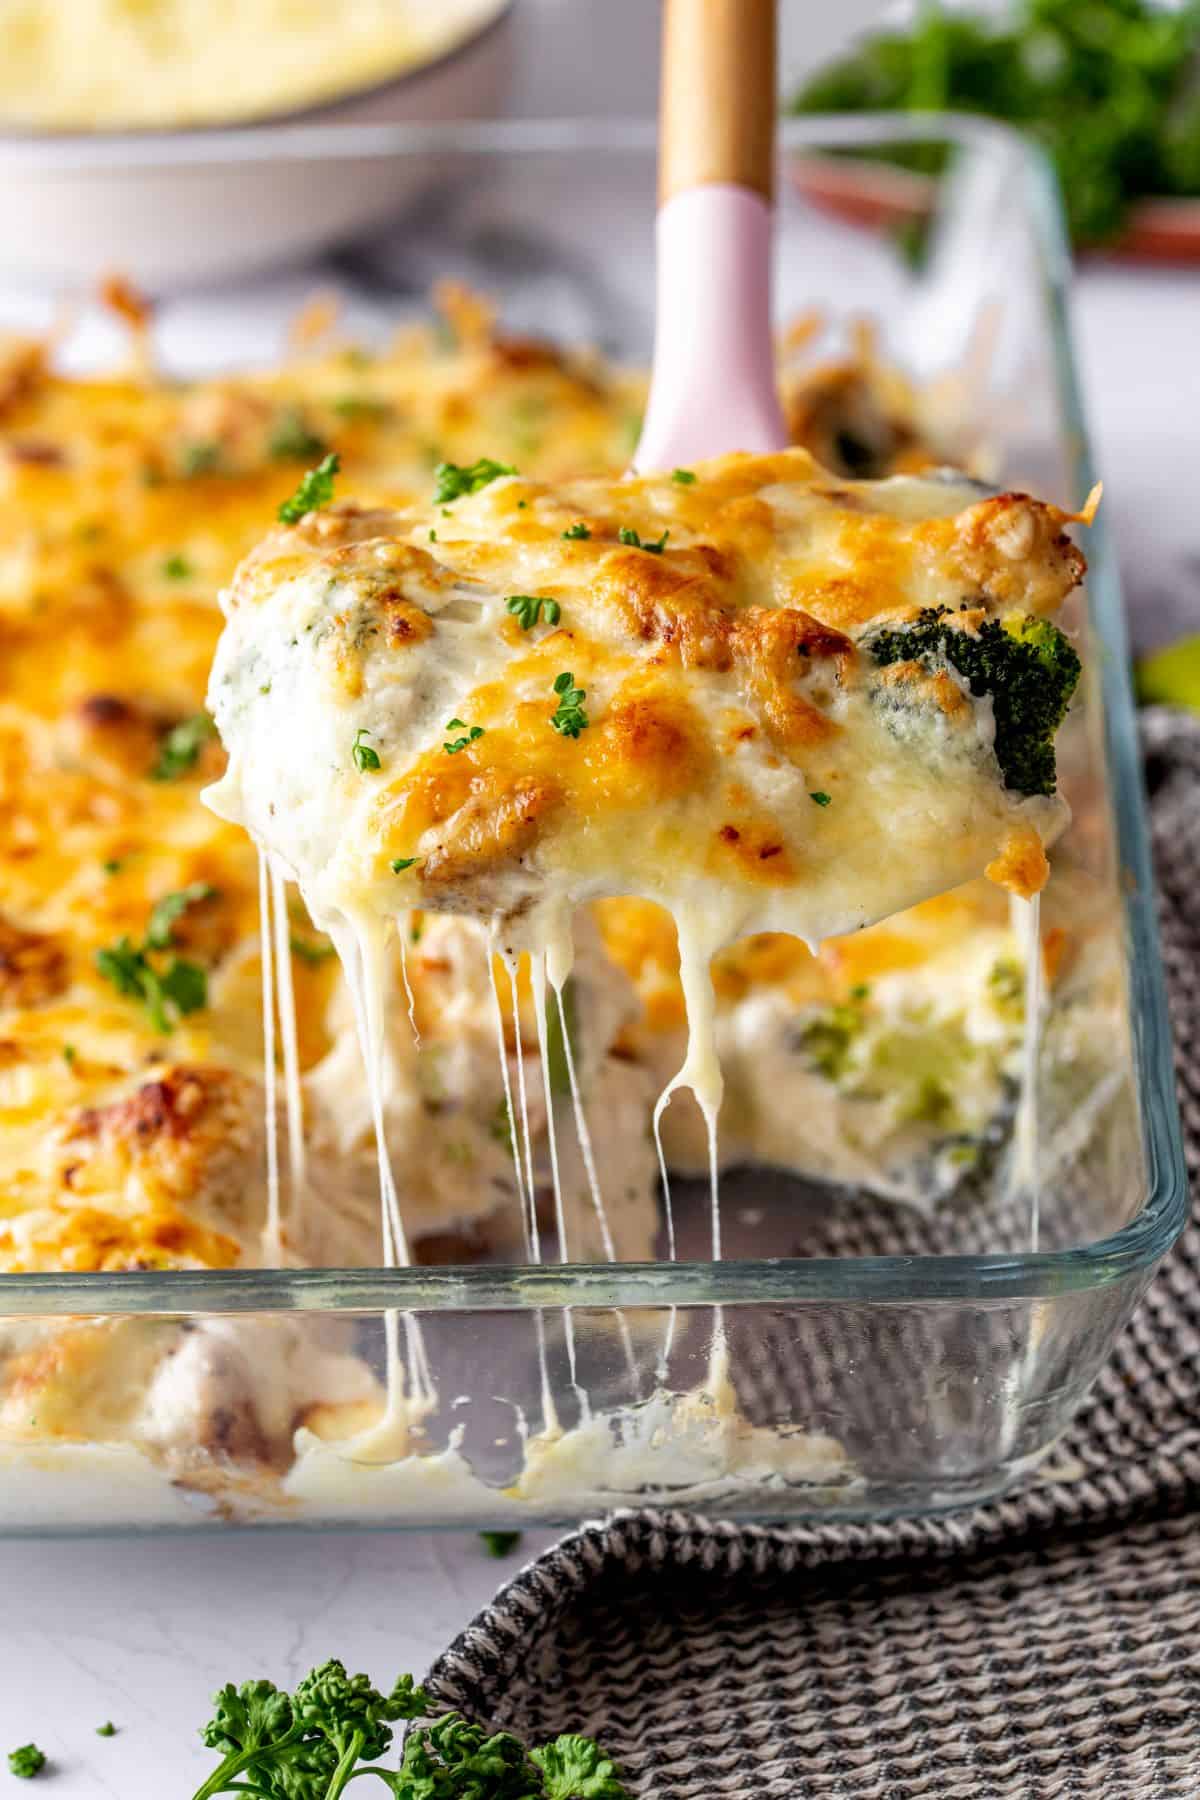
(713,384)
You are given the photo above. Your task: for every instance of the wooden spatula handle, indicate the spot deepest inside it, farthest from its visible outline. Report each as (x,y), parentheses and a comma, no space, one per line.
(717,118)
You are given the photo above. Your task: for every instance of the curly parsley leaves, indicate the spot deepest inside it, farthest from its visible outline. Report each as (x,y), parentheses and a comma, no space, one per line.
(577,533)
(315,490)
(26,1762)
(569,719)
(454,479)
(311,1744)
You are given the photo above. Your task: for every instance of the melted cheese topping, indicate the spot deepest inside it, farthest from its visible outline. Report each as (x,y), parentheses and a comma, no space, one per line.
(738,757)
(124,504)
(116,64)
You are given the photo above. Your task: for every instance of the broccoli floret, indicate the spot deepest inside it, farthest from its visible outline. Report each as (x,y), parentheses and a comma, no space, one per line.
(1025,664)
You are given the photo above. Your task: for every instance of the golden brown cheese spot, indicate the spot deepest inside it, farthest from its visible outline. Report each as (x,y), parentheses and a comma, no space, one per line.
(185,1135)
(33,967)
(404,622)
(767,642)
(650,746)
(1011,548)
(1021,866)
(754,849)
(495,824)
(682,604)
(24,367)
(87,1239)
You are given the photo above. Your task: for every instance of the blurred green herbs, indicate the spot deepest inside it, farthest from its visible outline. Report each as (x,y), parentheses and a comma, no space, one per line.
(1110,88)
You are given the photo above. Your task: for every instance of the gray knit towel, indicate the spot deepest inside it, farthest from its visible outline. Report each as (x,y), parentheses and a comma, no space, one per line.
(1045,1645)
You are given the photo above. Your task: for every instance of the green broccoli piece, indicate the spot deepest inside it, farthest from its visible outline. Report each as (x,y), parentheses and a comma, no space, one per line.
(1026,665)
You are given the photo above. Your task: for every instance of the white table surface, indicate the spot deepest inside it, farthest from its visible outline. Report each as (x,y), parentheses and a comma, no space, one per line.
(142,1632)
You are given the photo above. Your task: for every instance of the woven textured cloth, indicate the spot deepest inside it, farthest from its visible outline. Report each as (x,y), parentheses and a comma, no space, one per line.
(1045,1645)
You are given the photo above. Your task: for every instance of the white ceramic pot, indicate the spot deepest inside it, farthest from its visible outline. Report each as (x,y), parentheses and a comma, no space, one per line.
(169,209)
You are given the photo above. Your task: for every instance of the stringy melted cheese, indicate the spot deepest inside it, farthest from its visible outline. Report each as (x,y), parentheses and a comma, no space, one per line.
(124,503)
(743,761)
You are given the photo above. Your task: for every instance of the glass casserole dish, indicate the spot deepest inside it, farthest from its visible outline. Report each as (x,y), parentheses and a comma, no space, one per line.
(850,1356)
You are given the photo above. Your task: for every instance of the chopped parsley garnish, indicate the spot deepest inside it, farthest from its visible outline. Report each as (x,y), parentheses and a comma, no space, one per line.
(684,477)
(433,537)
(182,987)
(400,863)
(578,532)
(655,546)
(26,1762)
(160,925)
(454,480)
(113,866)
(177,567)
(315,490)
(500,1543)
(312,1744)
(821,799)
(292,439)
(182,746)
(570,719)
(69,1054)
(108,1729)
(472,732)
(529,607)
(168,989)
(201,458)
(364,757)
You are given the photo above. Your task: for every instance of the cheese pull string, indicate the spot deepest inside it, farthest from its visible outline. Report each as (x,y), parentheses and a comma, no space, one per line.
(701,1073)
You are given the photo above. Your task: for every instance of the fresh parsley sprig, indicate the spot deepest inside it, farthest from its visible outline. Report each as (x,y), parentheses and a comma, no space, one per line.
(167,989)
(315,490)
(311,1744)
(570,718)
(577,533)
(27,1761)
(456,479)
(528,608)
